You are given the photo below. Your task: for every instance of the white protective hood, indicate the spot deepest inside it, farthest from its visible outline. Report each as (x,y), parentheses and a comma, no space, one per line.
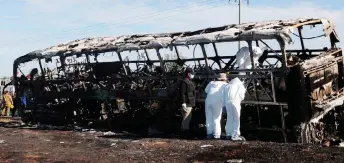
(214,89)
(234,91)
(243,57)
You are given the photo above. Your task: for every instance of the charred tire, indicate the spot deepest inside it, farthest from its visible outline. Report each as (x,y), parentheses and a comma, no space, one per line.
(307,133)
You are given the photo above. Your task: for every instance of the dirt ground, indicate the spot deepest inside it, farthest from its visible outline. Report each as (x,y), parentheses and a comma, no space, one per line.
(23,144)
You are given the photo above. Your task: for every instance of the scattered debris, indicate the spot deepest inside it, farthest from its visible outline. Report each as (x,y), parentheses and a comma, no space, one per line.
(155,144)
(326,143)
(78,128)
(205,146)
(341,144)
(109,133)
(31,156)
(61,142)
(82,134)
(234,160)
(19,147)
(2,141)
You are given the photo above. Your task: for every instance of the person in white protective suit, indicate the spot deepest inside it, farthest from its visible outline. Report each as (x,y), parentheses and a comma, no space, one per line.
(233,94)
(213,106)
(243,58)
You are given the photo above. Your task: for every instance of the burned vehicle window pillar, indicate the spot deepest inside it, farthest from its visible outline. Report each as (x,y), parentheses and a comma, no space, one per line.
(217,57)
(204,55)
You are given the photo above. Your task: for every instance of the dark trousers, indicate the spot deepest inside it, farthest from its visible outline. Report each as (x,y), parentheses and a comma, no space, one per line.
(13,112)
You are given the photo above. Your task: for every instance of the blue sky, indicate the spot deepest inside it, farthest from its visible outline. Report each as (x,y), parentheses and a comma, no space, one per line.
(27,25)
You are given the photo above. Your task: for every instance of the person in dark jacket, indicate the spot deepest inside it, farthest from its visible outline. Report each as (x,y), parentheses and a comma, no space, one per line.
(188,98)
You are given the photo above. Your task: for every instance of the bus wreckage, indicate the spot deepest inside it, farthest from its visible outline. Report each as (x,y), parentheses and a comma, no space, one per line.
(298,97)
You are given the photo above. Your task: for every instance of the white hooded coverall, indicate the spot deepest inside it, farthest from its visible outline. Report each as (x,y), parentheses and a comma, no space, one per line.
(233,94)
(243,58)
(213,107)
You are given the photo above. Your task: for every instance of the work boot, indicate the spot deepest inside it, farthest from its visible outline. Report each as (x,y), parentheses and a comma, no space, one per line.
(238,138)
(209,136)
(217,137)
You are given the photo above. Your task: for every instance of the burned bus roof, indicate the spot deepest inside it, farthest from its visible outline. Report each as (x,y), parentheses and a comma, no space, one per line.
(227,33)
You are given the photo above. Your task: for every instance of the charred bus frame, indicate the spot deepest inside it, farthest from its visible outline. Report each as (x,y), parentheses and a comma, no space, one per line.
(299,76)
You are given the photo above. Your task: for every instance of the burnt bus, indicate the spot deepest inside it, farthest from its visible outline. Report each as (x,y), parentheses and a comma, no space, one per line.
(294,93)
